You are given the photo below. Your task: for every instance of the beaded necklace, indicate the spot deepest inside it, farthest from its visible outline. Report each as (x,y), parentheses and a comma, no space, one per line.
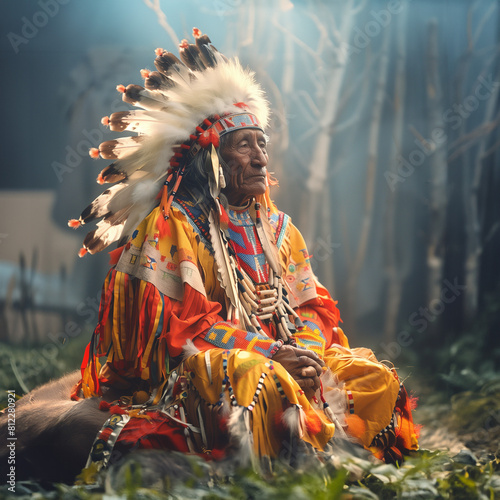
(250,303)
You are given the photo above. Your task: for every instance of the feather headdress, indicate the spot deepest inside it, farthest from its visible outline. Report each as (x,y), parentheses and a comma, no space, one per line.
(186,105)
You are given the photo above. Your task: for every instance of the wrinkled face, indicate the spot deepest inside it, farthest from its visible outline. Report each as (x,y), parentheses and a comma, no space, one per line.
(246,156)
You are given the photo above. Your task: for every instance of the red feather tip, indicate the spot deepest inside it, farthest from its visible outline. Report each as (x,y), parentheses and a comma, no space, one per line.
(100,179)
(82,252)
(114,255)
(223,424)
(116,410)
(104,406)
(145,73)
(121,88)
(278,421)
(196,32)
(94,153)
(105,120)
(241,105)
(418,428)
(159,51)
(223,215)
(210,136)
(413,402)
(74,223)
(184,44)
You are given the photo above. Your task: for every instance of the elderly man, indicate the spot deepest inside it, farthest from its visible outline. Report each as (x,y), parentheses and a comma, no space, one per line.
(214,334)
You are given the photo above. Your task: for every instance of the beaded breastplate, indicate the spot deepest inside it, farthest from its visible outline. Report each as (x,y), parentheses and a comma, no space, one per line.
(260,293)
(247,247)
(248,265)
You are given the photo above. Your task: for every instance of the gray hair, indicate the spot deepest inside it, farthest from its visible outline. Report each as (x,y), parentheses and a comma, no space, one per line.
(196,175)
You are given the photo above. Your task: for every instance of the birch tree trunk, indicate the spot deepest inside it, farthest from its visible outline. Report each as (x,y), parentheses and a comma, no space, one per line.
(438,200)
(320,160)
(459,165)
(472,186)
(395,276)
(474,243)
(371,170)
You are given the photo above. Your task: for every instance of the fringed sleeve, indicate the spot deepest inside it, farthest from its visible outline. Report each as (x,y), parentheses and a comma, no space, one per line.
(312,302)
(140,330)
(152,303)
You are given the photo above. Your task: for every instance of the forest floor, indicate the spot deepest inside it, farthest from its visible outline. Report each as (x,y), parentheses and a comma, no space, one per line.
(459,459)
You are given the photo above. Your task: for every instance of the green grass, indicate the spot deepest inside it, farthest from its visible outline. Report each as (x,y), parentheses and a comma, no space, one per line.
(426,475)
(23,369)
(473,412)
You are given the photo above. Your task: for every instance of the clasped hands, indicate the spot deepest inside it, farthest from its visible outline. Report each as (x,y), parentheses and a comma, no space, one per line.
(303,365)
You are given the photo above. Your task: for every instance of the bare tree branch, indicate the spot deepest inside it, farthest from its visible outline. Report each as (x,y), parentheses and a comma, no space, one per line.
(491,150)
(298,41)
(480,26)
(473,137)
(162,19)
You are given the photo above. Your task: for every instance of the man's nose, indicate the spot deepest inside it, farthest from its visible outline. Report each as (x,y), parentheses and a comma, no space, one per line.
(259,159)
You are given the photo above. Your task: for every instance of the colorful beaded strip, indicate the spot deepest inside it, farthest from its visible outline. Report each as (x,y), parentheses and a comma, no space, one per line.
(251,406)
(199,225)
(350,401)
(279,344)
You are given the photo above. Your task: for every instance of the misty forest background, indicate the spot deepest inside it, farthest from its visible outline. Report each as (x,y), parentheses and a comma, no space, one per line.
(385,138)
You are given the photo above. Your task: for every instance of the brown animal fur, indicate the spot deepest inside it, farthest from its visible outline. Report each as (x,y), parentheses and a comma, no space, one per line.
(54,434)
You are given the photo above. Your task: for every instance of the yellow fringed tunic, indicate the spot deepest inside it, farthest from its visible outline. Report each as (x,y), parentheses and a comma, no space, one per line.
(163,292)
